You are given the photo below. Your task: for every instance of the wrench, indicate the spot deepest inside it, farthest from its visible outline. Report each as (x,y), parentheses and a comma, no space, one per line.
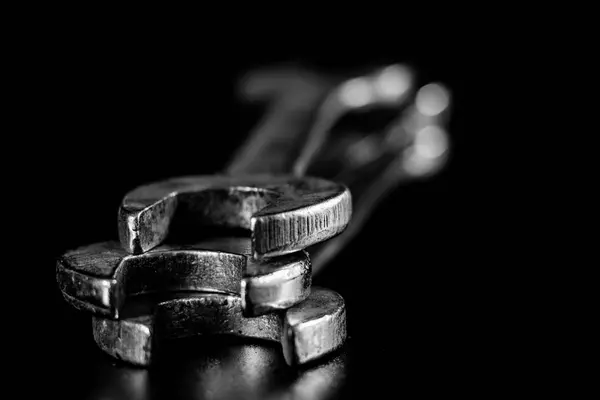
(306,331)
(100,277)
(284,214)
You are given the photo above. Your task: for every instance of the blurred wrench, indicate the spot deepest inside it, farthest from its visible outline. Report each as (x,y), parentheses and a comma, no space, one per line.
(296,135)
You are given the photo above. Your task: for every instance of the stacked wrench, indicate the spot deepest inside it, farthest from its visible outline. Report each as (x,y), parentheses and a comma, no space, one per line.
(174,274)
(257,286)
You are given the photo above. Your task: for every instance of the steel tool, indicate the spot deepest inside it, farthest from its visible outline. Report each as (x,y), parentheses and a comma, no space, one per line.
(99,278)
(284,214)
(307,331)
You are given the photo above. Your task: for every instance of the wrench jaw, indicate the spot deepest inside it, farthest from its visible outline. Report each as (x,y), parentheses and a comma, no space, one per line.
(315,327)
(126,340)
(147,212)
(141,230)
(136,340)
(287,226)
(306,332)
(167,269)
(285,214)
(267,289)
(267,286)
(88,293)
(160,270)
(82,305)
(212,314)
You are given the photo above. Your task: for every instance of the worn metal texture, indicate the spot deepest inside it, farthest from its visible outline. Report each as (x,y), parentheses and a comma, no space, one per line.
(314,327)
(178,315)
(307,331)
(99,277)
(284,214)
(268,285)
(271,284)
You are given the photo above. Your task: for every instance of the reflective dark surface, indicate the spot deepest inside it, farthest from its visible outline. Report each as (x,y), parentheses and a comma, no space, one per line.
(218,369)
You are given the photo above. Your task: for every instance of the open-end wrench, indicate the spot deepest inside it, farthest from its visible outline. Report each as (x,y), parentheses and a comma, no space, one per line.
(100,277)
(307,331)
(283,213)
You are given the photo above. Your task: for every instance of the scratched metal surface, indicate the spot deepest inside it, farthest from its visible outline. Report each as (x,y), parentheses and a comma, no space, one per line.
(223,265)
(284,213)
(307,331)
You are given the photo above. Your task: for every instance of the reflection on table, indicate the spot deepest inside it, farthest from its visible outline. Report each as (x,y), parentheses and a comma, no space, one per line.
(221,368)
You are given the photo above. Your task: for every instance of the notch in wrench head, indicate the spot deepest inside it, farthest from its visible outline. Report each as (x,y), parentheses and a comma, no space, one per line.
(100,277)
(306,331)
(283,213)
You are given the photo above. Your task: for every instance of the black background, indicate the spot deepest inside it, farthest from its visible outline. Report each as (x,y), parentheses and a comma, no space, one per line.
(119,110)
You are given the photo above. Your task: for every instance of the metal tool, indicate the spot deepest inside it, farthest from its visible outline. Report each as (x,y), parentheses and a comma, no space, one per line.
(302,109)
(387,87)
(414,146)
(99,278)
(284,214)
(307,331)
